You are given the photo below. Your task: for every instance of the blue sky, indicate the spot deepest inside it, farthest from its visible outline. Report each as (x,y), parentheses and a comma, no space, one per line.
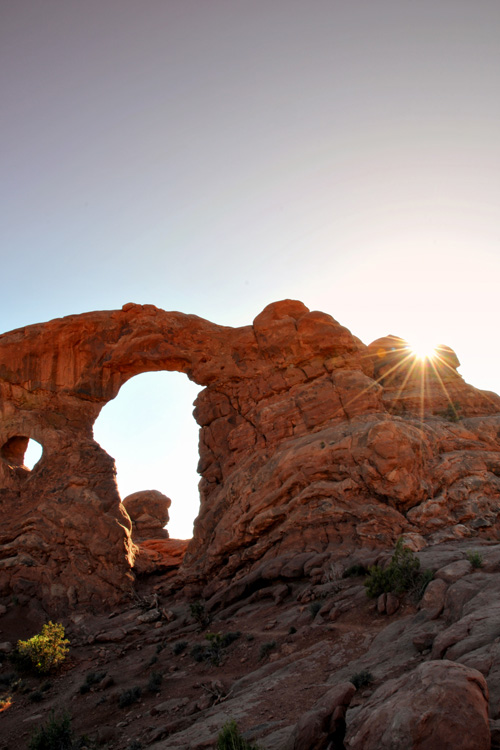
(214,157)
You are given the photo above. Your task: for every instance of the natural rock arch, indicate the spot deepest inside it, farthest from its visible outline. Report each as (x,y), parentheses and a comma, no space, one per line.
(292,458)
(150,430)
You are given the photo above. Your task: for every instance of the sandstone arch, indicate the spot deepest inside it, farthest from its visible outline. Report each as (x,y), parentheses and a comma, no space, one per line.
(286,404)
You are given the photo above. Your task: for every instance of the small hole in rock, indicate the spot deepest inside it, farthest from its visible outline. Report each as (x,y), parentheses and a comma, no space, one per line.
(33,454)
(22,451)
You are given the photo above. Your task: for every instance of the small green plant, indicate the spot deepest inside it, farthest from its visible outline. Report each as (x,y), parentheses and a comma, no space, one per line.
(198,652)
(46,650)
(130,696)
(197,611)
(314,608)
(402,575)
(361,679)
(230,637)
(179,647)
(230,738)
(56,734)
(214,650)
(266,649)
(7,679)
(155,681)
(452,412)
(475,559)
(354,570)
(92,678)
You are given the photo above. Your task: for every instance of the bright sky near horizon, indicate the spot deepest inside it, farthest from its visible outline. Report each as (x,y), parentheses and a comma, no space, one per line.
(212,157)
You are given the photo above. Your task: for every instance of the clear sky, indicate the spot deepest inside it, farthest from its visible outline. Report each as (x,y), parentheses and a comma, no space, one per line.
(212,157)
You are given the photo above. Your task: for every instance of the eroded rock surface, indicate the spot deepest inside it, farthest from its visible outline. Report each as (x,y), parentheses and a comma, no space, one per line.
(311,445)
(148,511)
(439,705)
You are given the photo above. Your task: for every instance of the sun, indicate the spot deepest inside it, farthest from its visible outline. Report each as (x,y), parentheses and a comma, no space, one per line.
(423,350)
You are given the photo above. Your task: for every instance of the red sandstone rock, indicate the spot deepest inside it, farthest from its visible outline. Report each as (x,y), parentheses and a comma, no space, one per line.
(310,442)
(439,706)
(148,511)
(156,555)
(323,726)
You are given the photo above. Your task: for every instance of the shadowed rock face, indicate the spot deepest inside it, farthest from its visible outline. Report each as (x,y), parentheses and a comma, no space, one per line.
(309,442)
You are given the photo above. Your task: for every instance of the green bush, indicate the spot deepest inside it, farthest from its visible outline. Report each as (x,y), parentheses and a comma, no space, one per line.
(266,649)
(179,647)
(197,611)
(155,681)
(475,559)
(229,738)
(361,679)
(56,734)
(46,650)
(92,678)
(214,650)
(452,412)
(402,575)
(130,696)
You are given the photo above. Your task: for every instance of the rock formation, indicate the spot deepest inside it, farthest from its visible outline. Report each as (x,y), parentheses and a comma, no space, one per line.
(148,511)
(311,445)
(440,704)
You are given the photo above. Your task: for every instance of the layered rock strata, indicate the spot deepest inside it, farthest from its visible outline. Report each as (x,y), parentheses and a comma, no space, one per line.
(310,444)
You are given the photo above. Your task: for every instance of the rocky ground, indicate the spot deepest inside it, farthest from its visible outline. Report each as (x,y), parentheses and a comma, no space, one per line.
(281,664)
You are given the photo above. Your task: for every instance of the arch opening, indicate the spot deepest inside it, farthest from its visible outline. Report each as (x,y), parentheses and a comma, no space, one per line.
(149,430)
(21,451)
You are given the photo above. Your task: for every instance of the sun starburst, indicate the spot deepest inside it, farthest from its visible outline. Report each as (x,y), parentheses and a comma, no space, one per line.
(423,350)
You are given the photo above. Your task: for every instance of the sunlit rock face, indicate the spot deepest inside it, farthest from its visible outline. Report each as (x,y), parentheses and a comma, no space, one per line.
(310,443)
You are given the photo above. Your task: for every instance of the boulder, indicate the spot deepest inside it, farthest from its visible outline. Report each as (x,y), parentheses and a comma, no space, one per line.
(441,705)
(324,725)
(148,511)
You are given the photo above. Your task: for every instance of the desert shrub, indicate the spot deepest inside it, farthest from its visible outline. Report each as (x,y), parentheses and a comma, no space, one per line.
(179,647)
(7,679)
(197,611)
(361,679)
(402,575)
(213,651)
(198,652)
(354,570)
(314,608)
(92,678)
(229,638)
(266,649)
(155,681)
(56,734)
(230,738)
(46,650)
(452,412)
(130,696)
(475,559)
(36,696)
